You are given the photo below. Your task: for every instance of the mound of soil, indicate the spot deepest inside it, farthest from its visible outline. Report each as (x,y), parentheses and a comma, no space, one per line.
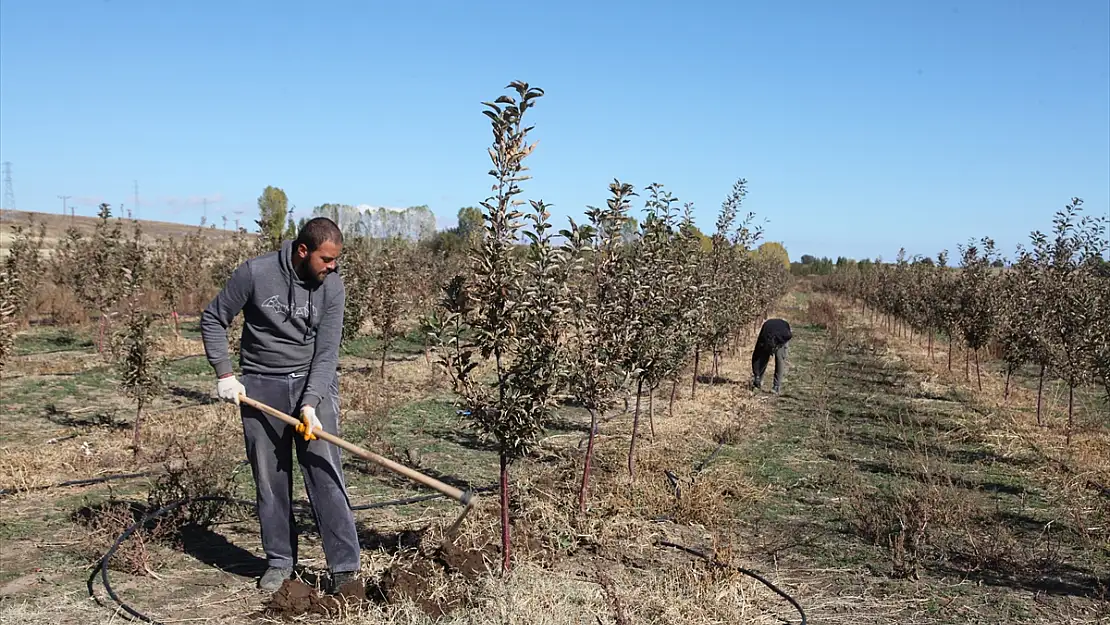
(415,581)
(470,563)
(294,598)
(438,576)
(437,582)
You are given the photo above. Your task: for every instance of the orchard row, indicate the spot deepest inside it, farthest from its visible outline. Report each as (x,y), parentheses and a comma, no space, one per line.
(1049,308)
(521,317)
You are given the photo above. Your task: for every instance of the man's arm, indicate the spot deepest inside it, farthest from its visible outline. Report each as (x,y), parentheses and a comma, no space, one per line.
(217,316)
(325,359)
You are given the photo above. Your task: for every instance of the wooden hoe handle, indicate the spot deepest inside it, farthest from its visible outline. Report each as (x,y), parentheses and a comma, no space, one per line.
(464,497)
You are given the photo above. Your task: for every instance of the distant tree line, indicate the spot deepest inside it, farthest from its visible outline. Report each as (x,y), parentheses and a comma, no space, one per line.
(809,265)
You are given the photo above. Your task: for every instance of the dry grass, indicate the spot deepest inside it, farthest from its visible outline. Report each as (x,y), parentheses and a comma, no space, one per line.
(560,557)
(172,347)
(56,226)
(824,313)
(937,516)
(1012,418)
(685,593)
(95,451)
(604,566)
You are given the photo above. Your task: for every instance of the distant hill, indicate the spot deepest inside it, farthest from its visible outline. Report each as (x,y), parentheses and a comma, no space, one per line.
(57,224)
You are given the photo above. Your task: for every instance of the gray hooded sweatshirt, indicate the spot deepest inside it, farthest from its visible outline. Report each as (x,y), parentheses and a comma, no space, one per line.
(288,326)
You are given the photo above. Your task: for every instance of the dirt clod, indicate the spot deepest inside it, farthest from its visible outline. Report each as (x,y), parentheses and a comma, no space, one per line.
(414,582)
(294,598)
(424,577)
(470,563)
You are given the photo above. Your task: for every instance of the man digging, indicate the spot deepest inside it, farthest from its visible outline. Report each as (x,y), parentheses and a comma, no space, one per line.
(292,304)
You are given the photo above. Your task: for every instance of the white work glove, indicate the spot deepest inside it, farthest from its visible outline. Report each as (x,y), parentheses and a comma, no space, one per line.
(229,389)
(309,423)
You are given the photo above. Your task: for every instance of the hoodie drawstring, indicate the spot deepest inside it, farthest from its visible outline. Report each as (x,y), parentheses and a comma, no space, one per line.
(292,300)
(308,325)
(289,314)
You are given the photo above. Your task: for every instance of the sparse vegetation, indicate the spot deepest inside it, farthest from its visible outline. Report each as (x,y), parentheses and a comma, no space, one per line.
(139,364)
(877,465)
(508,308)
(386,294)
(1042,310)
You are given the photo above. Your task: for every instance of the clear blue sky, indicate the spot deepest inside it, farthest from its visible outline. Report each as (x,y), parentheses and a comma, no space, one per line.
(860,126)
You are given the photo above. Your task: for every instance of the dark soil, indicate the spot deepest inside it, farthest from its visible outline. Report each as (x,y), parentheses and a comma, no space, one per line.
(445,573)
(415,581)
(470,563)
(294,598)
(450,566)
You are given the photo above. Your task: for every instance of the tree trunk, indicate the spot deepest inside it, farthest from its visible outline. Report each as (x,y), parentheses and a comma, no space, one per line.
(100,333)
(586,464)
(1040,394)
(138,425)
(949,354)
(505,544)
(716,366)
(932,356)
(967,362)
(176,323)
(674,393)
(697,363)
(1071,409)
(1009,373)
(978,375)
(635,430)
(651,411)
(385,346)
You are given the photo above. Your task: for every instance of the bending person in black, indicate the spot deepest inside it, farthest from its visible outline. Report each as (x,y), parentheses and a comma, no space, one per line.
(773,338)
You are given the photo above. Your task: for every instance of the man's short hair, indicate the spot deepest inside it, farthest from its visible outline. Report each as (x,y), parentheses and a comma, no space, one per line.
(316,232)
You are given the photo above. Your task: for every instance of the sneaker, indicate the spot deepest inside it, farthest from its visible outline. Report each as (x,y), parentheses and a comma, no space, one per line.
(273,578)
(338,579)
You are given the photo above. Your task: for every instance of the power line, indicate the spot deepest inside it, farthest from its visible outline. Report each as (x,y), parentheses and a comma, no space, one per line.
(9,194)
(63,198)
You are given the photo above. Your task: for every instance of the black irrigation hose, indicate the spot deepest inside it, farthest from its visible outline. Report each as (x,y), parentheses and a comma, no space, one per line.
(81,482)
(703,463)
(675,485)
(87,481)
(417,499)
(748,572)
(102,564)
(672,477)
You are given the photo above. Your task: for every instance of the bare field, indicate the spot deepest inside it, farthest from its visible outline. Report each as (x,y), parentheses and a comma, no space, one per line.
(878,488)
(56,226)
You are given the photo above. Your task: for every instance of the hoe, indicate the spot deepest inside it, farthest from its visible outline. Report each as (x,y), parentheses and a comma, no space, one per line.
(466,498)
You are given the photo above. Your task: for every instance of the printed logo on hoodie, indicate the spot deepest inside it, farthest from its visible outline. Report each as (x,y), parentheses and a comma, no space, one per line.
(274,303)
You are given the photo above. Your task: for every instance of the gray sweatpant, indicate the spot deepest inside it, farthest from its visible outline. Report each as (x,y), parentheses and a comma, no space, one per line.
(761,357)
(270,444)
